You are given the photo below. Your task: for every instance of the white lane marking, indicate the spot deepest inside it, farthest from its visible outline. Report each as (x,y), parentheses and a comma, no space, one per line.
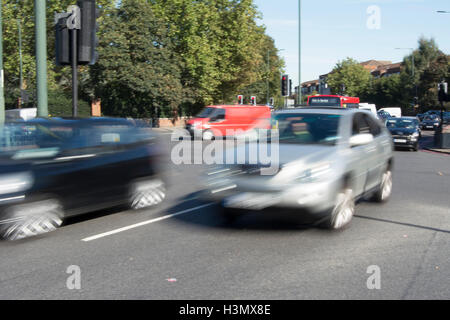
(133,226)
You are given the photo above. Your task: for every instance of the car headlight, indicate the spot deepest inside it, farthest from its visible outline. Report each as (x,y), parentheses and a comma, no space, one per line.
(415,135)
(15,182)
(314,173)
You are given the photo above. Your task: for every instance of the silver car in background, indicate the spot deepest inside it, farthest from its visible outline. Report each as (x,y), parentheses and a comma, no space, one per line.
(328,159)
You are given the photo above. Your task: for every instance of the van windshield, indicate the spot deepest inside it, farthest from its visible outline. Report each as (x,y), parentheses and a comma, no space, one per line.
(206,113)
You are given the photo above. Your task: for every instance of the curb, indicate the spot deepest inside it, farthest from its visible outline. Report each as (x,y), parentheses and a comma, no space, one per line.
(443,151)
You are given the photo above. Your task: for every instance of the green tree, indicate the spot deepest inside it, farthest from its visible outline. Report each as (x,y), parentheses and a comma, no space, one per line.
(138,73)
(23,11)
(222,48)
(350,78)
(268,74)
(430,68)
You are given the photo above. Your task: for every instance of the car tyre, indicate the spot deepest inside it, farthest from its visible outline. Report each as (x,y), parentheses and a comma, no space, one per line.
(147,193)
(384,191)
(32,219)
(342,213)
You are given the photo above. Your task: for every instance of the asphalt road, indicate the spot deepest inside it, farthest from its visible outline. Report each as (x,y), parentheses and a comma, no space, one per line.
(183,249)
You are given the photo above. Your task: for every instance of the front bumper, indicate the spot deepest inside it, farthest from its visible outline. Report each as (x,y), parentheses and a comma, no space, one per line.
(255,194)
(405,141)
(429,126)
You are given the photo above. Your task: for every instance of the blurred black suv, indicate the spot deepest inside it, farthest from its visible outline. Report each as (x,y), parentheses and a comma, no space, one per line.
(51,169)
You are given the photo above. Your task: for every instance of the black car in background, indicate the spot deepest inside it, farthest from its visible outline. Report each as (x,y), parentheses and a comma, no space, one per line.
(51,169)
(405,132)
(446,118)
(430,122)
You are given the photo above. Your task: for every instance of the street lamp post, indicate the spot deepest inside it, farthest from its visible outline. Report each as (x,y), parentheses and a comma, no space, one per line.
(41,57)
(442,103)
(299,52)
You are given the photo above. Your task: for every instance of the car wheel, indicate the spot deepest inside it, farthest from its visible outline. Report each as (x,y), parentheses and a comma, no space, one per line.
(32,219)
(343,211)
(147,193)
(208,135)
(385,189)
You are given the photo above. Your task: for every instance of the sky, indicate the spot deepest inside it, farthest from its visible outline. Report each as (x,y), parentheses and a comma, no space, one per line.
(333,30)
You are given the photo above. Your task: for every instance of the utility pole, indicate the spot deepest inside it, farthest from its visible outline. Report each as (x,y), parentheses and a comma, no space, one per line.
(268,75)
(41,58)
(2,80)
(20,63)
(299,52)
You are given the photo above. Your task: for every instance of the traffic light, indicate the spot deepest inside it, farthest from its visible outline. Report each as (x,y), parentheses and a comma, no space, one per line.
(87,36)
(253,100)
(290,87)
(272,101)
(284,85)
(62,37)
(443,90)
(240,99)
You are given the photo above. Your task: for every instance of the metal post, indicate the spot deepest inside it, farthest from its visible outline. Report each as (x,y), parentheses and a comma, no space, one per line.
(2,90)
(299,52)
(20,63)
(74,73)
(268,76)
(41,58)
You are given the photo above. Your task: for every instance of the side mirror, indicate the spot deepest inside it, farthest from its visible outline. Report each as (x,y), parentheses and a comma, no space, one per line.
(360,139)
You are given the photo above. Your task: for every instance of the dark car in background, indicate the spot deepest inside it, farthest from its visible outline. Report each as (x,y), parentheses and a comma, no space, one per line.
(51,169)
(430,122)
(446,118)
(405,132)
(383,115)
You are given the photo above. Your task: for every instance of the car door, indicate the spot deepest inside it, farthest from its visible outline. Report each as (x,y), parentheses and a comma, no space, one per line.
(377,160)
(361,155)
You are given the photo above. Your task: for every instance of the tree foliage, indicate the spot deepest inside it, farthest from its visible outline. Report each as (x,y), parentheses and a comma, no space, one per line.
(157,57)
(350,78)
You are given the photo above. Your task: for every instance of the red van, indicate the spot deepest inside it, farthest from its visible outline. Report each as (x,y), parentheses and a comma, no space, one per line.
(228,120)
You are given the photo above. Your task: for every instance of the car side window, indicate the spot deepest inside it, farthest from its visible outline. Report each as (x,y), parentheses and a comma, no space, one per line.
(375,129)
(218,115)
(360,124)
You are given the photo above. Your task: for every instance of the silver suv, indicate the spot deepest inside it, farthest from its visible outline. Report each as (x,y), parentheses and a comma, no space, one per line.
(327,159)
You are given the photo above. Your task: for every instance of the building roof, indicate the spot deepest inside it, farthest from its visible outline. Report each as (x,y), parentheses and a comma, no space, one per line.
(387,69)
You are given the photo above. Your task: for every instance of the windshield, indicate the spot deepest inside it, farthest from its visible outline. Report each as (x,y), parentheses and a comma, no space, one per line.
(31,136)
(432,117)
(206,113)
(402,123)
(299,128)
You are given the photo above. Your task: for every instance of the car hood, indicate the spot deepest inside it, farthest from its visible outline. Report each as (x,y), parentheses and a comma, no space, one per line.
(402,131)
(270,155)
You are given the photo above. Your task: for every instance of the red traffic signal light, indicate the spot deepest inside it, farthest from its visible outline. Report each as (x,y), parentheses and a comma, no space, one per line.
(253,100)
(285,85)
(240,99)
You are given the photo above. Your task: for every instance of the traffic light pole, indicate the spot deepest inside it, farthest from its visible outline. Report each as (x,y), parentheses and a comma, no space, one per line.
(41,58)
(74,73)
